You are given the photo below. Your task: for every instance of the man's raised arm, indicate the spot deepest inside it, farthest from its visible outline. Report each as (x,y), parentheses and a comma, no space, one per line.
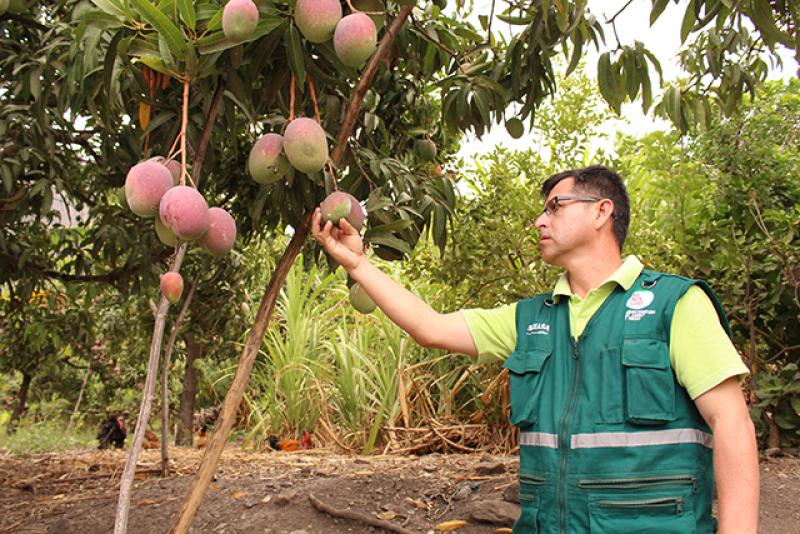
(428,327)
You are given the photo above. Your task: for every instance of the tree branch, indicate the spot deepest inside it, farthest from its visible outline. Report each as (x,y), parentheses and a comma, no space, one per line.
(200,153)
(364,84)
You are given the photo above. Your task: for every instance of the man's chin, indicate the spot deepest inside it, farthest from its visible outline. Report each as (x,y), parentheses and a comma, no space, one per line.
(549,257)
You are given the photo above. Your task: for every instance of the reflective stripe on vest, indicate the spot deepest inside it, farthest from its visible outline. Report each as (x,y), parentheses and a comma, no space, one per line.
(672,436)
(539,439)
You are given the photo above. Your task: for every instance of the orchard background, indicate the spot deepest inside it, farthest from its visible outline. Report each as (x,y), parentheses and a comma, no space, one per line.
(90,89)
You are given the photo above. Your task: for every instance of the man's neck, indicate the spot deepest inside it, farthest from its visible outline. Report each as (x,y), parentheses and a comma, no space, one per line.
(585,274)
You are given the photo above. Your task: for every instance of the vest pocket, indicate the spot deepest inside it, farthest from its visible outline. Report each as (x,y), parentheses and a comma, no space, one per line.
(525,372)
(528,521)
(669,514)
(649,382)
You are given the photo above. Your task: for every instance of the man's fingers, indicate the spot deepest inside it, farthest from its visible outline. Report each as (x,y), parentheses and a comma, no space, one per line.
(346,227)
(315,227)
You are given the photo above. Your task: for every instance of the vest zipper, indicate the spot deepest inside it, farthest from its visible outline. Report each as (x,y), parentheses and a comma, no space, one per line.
(562,442)
(677,502)
(640,482)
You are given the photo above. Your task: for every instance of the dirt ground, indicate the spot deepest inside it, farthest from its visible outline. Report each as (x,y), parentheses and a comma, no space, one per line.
(269,492)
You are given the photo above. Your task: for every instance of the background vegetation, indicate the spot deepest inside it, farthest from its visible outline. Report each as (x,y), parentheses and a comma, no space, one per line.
(715,197)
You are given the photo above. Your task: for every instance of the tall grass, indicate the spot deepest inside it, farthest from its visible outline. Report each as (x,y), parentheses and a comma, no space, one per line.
(48,435)
(356,380)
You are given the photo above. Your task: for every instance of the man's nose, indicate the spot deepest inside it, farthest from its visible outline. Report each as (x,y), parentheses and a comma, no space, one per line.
(540,221)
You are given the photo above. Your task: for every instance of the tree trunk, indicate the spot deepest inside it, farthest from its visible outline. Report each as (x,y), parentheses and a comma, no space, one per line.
(194,351)
(80,398)
(774,437)
(22,398)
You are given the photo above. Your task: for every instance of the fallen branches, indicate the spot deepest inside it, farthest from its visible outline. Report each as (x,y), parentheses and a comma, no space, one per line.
(356,516)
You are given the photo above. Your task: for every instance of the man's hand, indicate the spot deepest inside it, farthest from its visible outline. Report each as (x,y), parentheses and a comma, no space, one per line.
(408,311)
(343,244)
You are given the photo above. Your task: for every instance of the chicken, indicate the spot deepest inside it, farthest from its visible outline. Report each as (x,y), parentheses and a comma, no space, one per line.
(288,445)
(151,441)
(200,438)
(112,432)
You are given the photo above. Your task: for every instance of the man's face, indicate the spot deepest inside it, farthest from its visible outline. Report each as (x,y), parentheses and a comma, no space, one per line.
(565,224)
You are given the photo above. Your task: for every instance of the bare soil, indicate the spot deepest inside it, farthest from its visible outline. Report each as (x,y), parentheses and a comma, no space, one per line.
(269,492)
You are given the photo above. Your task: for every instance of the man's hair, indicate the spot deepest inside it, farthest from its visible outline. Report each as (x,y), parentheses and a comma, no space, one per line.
(602,182)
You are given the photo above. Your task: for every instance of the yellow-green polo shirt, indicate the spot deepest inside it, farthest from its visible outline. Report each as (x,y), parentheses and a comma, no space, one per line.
(701,353)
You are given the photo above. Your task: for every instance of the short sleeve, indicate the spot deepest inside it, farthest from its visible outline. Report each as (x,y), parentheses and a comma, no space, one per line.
(701,353)
(494,331)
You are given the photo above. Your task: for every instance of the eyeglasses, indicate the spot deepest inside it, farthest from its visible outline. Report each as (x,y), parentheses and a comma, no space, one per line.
(552,205)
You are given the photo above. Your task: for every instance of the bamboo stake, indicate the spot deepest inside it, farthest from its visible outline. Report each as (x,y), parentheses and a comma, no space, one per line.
(216,444)
(126,483)
(165,379)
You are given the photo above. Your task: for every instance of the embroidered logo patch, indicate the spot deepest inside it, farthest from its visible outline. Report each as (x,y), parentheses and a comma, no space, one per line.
(541,329)
(639,300)
(637,315)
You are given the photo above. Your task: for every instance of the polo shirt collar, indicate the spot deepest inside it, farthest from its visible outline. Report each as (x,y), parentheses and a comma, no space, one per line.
(625,275)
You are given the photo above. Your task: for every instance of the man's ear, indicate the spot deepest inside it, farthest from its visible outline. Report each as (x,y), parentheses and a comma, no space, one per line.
(605,211)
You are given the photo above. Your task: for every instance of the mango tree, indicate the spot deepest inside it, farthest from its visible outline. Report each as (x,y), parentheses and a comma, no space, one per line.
(123,81)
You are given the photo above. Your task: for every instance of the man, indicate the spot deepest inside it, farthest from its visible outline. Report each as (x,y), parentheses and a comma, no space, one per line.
(619,377)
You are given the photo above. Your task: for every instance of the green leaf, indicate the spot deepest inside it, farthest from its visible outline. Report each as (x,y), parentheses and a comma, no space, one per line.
(516,21)
(657,10)
(647,91)
(785,421)
(688,21)
(188,15)
(762,16)
(108,71)
(606,79)
(102,20)
(394,226)
(387,240)
(166,54)
(216,21)
(577,53)
(294,52)
(35,81)
(216,42)
(630,74)
(165,27)
(112,7)
(483,107)
(155,63)
(159,120)
(795,401)
(672,105)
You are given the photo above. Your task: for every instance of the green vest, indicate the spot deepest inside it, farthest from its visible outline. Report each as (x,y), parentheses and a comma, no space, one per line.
(609,441)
